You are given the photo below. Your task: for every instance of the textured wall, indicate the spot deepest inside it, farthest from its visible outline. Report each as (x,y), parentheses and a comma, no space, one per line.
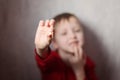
(18,22)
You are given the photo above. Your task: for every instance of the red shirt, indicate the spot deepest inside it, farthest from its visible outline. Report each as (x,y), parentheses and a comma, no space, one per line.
(53,68)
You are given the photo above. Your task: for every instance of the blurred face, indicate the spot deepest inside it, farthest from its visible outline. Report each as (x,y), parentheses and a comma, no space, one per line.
(68,33)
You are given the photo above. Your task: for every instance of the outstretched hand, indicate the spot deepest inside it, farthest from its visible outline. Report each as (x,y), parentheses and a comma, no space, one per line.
(44,33)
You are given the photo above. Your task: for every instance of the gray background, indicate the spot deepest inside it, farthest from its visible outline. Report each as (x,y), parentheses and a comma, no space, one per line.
(19,20)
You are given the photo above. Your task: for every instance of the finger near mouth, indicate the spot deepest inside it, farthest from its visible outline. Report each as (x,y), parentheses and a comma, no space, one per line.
(74,44)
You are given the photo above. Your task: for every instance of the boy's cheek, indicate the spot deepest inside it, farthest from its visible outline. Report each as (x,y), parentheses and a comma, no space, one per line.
(81,43)
(68,56)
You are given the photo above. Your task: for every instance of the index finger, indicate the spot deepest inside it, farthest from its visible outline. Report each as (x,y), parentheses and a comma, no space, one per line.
(76,52)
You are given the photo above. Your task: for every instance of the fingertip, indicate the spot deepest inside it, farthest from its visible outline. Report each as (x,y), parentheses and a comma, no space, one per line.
(47,22)
(52,21)
(41,23)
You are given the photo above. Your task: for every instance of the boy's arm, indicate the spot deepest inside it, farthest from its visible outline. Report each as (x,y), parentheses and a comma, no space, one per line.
(42,52)
(81,75)
(47,63)
(44,35)
(90,70)
(82,65)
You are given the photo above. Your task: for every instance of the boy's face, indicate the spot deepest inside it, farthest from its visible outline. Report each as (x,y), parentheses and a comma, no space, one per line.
(68,33)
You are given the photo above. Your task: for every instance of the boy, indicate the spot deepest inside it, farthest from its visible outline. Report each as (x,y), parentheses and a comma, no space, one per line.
(68,61)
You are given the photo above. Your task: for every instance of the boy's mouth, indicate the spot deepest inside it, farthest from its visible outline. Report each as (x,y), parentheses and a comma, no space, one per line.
(74,43)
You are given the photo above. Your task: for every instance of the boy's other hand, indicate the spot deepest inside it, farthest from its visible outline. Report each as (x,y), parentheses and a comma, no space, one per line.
(77,60)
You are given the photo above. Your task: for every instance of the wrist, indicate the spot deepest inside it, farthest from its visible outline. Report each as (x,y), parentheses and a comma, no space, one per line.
(42,52)
(80,74)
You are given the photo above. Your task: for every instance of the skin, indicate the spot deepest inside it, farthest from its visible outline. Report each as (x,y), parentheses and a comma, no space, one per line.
(68,40)
(68,37)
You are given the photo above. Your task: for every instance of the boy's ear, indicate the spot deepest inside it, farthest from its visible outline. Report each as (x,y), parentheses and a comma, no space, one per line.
(53,45)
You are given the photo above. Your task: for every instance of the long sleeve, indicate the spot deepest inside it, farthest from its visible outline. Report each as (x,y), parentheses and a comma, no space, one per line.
(53,68)
(50,62)
(90,70)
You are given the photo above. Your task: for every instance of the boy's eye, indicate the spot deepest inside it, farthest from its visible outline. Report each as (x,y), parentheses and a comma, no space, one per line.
(63,33)
(77,30)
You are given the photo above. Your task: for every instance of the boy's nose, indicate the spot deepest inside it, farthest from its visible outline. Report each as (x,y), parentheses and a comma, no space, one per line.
(72,35)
